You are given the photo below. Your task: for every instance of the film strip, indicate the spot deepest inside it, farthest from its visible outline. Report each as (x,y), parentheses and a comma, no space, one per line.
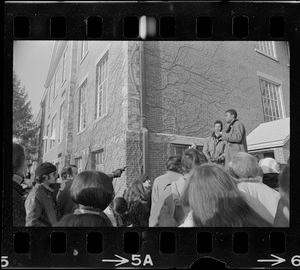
(150,247)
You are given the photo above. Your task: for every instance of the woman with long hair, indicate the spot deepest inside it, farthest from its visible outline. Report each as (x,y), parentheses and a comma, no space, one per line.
(215,201)
(138,205)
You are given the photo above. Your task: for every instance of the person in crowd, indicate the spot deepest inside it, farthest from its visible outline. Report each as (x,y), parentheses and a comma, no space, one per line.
(214,146)
(147,184)
(19,169)
(83,220)
(116,210)
(65,205)
(39,204)
(270,170)
(92,191)
(174,171)
(215,201)
(138,205)
(282,217)
(168,211)
(245,170)
(234,136)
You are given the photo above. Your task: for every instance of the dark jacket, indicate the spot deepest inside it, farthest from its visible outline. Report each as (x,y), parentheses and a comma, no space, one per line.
(19,214)
(65,205)
(271,180)
(235,138)
(40,207)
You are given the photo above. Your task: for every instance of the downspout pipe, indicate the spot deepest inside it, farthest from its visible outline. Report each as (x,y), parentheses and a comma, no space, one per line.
(143,111)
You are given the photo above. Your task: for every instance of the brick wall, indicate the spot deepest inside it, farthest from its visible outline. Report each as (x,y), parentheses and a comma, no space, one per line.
(190,85)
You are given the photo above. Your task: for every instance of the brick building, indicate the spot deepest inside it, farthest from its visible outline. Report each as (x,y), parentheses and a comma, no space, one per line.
(132,103)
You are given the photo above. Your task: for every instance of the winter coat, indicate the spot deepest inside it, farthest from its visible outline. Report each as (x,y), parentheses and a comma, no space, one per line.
(235,138)
(266,195)
(19,213)
(65,205)
(169,199)
(160,184)
(40,207)
(214,148)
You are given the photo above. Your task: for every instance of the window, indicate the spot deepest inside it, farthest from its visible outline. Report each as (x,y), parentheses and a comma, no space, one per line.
(82,106)
(178,149)
(53,129)
(63,76)
(271,99)
(78,163)
(57,82)
(269,154)
(49,96)
(98,160)
(61,123)
(83,49)
(101,83)
(266,47)
(54,87)
(46,139)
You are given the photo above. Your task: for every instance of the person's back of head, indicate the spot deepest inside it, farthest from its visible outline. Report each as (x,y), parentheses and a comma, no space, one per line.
(216,200)
(269,165)
(18,156)
(84,220)
(119,205)
(192,157)
(244,165)
(174,164)
(92,189)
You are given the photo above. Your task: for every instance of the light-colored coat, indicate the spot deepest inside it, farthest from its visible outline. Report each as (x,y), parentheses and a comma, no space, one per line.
(235,141)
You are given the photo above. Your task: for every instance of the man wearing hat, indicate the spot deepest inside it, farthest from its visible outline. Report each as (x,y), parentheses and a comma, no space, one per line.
(39,205)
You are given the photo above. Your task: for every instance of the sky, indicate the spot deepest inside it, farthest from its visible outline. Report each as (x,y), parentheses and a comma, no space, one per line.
(31,61)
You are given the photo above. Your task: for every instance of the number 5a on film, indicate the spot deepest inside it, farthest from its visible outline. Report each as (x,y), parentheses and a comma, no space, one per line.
(136,260)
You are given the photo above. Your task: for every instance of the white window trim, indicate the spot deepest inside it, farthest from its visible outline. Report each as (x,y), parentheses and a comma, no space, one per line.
(81,82)
(104,52)
(51,127)
(59,142)
(274,80)
(274,48)
(64,74)
(87,51)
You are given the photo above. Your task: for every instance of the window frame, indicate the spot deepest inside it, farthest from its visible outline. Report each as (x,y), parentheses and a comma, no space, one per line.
(259,50)
(80,106)
(61,122)
(77,159)
(104,57)
(277,97)
(64,69)
(52,142)
(82,56)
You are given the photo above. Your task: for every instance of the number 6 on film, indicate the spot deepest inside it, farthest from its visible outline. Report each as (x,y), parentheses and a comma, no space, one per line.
(296,260)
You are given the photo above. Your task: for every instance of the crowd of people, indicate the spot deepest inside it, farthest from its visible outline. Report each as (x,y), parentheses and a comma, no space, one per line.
(221,186)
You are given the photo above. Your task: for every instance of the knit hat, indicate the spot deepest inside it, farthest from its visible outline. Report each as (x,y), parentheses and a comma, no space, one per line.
(269,165)
(45,169)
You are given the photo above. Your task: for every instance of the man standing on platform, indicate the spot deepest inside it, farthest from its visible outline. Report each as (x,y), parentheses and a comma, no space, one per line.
(234,136)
